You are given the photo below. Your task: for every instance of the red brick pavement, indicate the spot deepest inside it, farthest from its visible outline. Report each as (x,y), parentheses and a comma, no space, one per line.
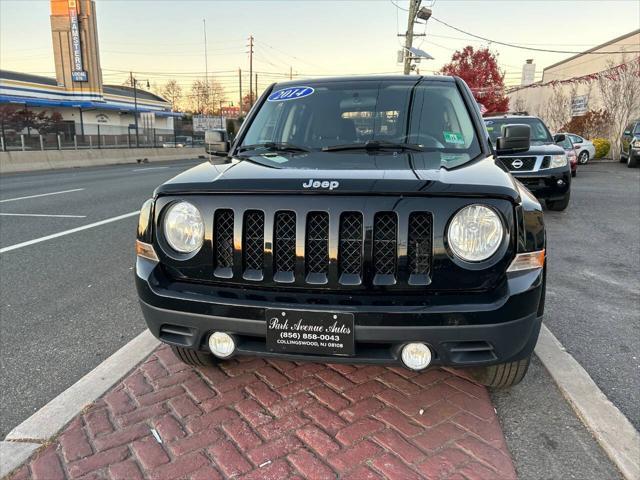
(269,419)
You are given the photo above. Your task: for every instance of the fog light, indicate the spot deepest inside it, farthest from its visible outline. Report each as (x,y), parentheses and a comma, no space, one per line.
(416,356)
(221,344)
(560,183)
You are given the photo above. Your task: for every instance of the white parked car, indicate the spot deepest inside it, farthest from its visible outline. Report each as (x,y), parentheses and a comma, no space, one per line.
(585,149)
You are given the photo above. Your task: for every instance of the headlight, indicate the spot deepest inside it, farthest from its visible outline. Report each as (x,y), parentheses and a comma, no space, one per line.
(475,233)
(184,228)
(635,143)
(558,161)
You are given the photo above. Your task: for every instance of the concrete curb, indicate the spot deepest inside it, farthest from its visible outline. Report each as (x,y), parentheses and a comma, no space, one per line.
(40,427)
(615,434)
(14,454)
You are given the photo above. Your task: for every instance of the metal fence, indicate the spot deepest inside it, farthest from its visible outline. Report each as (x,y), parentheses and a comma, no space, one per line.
(149,138)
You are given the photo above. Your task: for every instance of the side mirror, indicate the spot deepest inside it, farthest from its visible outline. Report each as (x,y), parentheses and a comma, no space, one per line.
(559,138)
(627,132)
(219,149)
(513,139)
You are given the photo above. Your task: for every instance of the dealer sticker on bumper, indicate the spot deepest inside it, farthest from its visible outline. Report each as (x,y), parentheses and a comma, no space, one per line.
(316,333)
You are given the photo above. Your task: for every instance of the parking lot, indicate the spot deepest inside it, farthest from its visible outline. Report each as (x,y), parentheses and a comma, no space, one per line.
(84,306)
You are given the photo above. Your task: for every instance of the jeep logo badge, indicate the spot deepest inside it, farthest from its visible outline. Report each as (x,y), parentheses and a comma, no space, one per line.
(330,184)
(517,163)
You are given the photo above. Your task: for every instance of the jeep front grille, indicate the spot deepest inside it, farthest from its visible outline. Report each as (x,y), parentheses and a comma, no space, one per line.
(317,249)
(253,245)
(385,234)
(419,247)
(284,246)
(350,248)
(223,227)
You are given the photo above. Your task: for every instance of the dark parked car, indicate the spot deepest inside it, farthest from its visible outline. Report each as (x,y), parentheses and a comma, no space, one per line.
(570,150)
(359,220)
(544,168)
(630,145)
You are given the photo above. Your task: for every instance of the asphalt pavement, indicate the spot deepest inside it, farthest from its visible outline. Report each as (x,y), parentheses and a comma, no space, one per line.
(68,302)
(593,296)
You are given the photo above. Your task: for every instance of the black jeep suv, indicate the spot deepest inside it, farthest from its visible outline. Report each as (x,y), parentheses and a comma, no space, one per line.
(544,168)
(354,220)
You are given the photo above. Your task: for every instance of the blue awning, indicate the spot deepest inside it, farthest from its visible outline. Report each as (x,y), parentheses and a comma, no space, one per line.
(43,102)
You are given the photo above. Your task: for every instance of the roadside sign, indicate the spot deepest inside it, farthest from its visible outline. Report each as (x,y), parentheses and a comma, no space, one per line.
(202,123)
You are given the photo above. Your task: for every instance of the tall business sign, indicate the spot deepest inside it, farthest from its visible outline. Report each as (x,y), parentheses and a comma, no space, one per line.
(78,74)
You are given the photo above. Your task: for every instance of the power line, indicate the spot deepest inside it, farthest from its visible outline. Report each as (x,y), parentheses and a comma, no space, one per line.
(398,6)
(528,48)
(449,37)
(289,55)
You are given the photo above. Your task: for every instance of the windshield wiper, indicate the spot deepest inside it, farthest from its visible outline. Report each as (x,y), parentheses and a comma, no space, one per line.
(374,145)
(274,147)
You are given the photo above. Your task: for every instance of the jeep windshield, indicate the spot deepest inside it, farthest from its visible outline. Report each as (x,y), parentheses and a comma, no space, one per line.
(539,133)
(318,122)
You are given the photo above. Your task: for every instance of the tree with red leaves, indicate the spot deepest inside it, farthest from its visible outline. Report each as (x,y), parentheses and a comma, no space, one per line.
(479,68)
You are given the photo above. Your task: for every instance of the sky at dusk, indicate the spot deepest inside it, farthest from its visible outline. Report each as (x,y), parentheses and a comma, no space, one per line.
(160,40)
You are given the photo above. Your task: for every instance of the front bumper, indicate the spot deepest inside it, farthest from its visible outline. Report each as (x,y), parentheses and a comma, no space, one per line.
(462,330)
(547,184)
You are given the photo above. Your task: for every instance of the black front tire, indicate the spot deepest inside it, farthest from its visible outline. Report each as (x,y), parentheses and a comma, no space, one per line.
(559,205)
(632,162)
(194,357)
(503,375)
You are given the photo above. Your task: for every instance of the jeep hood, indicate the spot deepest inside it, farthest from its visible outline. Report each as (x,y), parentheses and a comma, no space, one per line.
(383,175)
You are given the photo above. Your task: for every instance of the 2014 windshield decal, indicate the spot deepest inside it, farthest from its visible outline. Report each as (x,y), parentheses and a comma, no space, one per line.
(291,93)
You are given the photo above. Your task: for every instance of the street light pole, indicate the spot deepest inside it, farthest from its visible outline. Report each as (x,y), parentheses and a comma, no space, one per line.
(135,106)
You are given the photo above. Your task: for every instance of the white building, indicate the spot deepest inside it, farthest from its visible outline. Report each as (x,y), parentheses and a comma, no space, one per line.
(560,78)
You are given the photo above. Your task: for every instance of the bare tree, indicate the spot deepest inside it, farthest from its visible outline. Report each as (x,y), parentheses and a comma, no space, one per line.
(620,92)
(520,105)
(206,97)
(172,92)
(557,111)
(198,97)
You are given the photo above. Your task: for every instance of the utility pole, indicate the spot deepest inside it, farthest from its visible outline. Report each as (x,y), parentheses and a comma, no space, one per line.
(240,89)
(290,73)
(135,103)
(256,87)
(250,69)
(206,58)
(414,5)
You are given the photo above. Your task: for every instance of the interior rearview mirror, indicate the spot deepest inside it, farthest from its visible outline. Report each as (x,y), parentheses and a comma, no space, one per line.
(513,139)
